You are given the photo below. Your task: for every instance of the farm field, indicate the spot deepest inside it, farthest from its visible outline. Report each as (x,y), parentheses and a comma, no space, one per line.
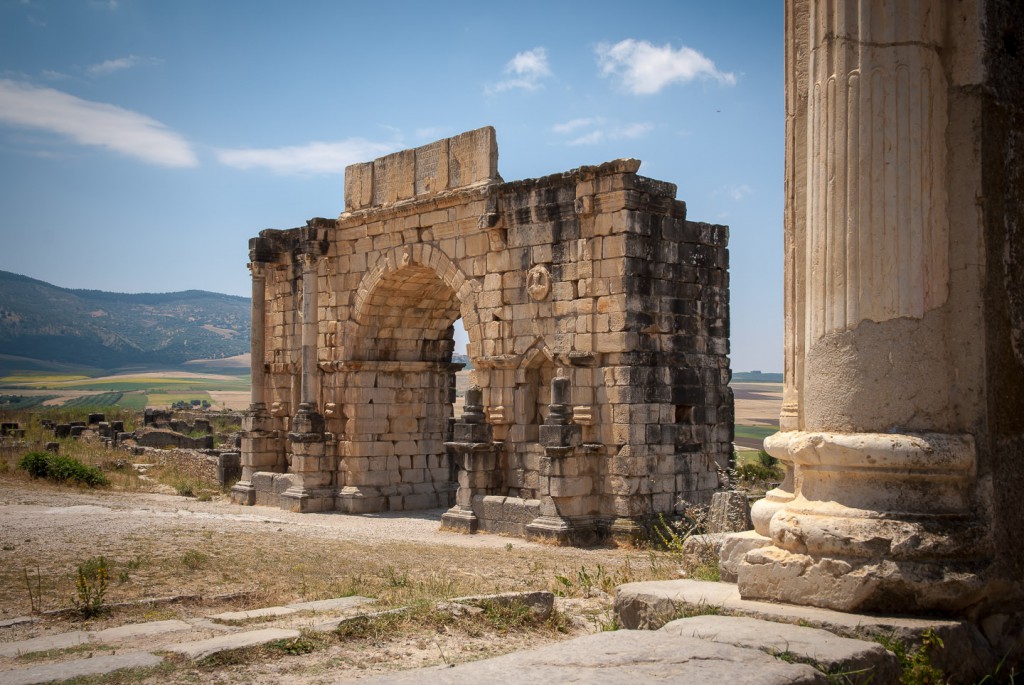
(130,390)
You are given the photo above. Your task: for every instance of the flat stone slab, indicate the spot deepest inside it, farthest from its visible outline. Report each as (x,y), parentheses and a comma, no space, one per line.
(265,612)
(17,621)
(133,630)
(624,656)
(44,643)
(336,604)
(65,670)
(649,605)
(200,649)
(859,661)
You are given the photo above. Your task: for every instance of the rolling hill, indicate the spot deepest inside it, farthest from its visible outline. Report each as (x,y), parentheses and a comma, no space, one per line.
(46,323)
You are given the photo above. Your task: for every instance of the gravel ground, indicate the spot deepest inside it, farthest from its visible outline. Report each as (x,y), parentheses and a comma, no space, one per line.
(225,557)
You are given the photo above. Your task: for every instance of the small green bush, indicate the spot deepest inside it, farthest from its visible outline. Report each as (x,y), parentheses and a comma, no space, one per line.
(36,464)
(59,468)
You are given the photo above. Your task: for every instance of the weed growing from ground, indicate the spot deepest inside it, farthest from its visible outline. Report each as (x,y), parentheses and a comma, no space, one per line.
(194,560)
(916,664)
(91,587)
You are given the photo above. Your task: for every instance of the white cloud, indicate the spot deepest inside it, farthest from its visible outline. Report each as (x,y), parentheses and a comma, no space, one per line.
(574,124)
(430,133)
(94,123)
(645,69)
(600,132)
(112,65)
(524,71)
(592,138)
(312,158)
(54,75)
(733,192)
(637,130)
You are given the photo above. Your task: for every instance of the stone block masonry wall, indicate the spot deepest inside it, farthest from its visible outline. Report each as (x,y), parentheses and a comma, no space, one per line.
(593,280)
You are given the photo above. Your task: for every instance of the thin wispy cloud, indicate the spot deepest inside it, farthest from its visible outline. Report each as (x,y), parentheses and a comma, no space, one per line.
(93,123)
(52,75)
(119,64)
(430,133)
(524,71)
(645,69)
(312,158)
(574,124)
(598,131)
(733,192)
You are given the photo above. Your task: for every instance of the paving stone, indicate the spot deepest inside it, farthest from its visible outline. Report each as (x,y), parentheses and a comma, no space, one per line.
(636,657)
(200,649)
(254,613)
(65,670)
(858,660)
(44,643)
(649,605)
(336,604)
(17,621)
(132,630)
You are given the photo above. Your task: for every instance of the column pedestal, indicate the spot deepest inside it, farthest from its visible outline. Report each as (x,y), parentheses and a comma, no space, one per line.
(878,516)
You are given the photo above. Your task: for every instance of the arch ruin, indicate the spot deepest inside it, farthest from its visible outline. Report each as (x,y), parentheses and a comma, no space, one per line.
(598,321)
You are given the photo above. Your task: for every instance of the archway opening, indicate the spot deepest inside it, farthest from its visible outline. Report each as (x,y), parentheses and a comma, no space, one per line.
(400,418)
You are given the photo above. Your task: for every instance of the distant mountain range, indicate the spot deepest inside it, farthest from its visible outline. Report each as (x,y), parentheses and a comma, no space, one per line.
(40,321)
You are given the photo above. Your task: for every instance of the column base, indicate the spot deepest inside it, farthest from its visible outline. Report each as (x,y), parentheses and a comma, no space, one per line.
(858,585)
(878,522)
(459,520)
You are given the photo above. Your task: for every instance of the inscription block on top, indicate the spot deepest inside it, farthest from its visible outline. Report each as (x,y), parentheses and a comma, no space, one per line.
(432,167)
(394,177)
(359,186)
(472,158)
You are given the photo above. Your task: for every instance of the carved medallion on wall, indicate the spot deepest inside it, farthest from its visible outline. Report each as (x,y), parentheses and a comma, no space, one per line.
(538,283)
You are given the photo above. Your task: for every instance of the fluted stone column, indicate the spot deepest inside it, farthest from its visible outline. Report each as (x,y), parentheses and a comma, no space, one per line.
(259,451)
(257,337)
(313,487)
(879,508)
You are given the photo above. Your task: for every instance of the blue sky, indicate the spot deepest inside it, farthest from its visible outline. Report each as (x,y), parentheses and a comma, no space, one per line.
(142,143)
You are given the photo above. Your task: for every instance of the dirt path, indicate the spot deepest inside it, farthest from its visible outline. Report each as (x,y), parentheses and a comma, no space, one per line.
(163,545)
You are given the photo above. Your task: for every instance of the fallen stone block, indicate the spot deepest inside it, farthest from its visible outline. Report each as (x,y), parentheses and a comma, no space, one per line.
(44,643)
(66,670)
(636,657)
(253,613)
(133,630)
(857,661)
(967,656)
(200,649)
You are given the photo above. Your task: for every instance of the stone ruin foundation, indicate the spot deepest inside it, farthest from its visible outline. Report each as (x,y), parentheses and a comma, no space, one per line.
(598,323)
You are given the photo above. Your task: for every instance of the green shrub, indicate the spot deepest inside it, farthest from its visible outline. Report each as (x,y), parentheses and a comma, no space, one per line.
(36,464)
(60,469)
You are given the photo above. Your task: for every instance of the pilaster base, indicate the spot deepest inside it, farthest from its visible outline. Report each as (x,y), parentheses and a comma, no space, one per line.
(360,500)
(459,520)
(627,531)
(243,493)
(577,532)
(308,500)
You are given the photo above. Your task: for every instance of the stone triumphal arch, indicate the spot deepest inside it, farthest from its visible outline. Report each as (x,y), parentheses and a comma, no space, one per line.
(598,322)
